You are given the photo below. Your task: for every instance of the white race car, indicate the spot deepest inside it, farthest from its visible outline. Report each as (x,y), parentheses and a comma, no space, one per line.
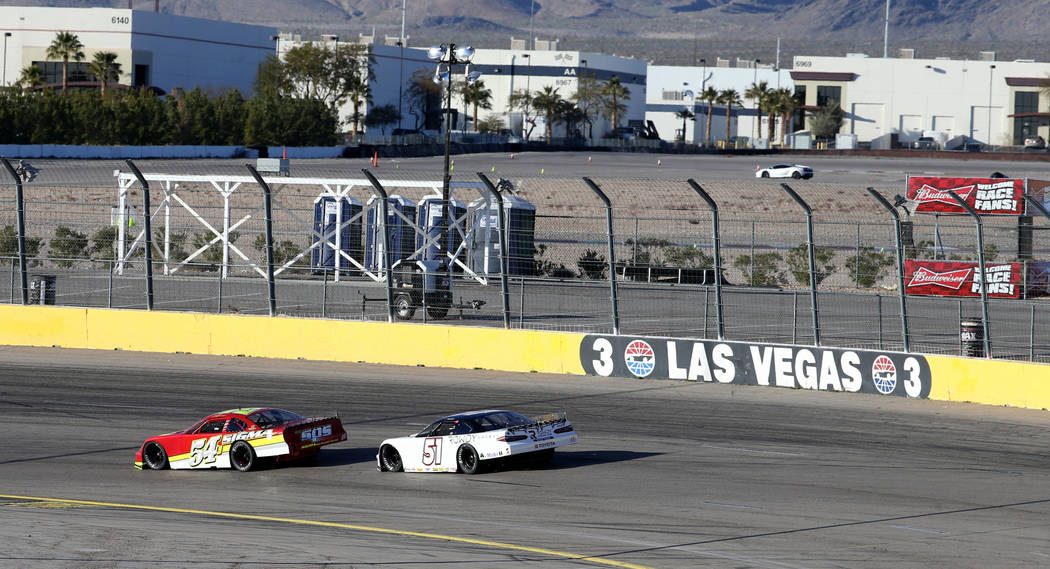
(795,171)
(470,442)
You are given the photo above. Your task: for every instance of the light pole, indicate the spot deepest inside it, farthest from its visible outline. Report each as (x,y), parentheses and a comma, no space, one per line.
(449,55)
(703,75)
(754,84)
(532,35)
(401,66)
(528,94)
(991,71)
(6,35)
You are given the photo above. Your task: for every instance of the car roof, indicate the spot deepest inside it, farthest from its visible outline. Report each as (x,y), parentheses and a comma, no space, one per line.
(471,414)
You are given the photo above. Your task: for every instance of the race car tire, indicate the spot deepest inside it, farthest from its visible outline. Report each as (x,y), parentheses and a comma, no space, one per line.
(390,459)
(403,309)
(242,456)
(765,174)
(154,456)
(796,175)
(467,460)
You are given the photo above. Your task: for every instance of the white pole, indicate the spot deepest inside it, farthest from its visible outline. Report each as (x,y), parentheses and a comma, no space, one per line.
(886,33)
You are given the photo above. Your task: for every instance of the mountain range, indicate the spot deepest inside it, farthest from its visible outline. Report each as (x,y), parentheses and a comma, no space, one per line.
(662,31)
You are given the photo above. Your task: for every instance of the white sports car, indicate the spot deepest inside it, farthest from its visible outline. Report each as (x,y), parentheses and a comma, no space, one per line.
(795,171)
(470,442)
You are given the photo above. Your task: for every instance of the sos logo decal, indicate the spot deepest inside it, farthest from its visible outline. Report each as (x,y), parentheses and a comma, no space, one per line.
(640,358)
(884,375)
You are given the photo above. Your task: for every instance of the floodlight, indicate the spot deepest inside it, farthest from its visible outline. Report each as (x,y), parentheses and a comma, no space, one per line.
(464,52)
(436,52)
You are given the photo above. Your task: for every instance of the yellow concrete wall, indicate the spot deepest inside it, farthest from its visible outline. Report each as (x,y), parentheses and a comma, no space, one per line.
(262,336)
(994,382)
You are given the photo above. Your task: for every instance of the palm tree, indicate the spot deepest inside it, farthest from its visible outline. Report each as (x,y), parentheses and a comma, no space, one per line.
(522,100)
(711,96)
(106,68)
(785,105)
(685,114)
(66,46)
(359,92)
(615,93)
(479,96)
(548,102)
(759,93)
(729,97)
(31,77)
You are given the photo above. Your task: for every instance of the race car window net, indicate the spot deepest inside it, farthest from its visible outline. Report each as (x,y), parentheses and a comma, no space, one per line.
(271,417)
(212,426)
(236,426)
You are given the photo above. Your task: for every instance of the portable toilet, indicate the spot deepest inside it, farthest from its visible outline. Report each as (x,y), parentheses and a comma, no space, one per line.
(401,219)
(334,231)
(428,218)
(520,217)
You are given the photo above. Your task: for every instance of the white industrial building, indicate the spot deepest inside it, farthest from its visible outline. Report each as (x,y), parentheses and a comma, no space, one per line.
(891,101)
(153,49)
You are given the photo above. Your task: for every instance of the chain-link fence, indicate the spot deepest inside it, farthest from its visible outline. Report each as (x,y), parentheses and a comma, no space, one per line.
(337,254)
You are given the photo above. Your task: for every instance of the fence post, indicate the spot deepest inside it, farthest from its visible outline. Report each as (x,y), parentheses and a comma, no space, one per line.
(270,284)
(21,213)
(147,228)
(717,250)
(503,262)
(812,261)
(984,275)
(612,261)
(381,193)
(900,265)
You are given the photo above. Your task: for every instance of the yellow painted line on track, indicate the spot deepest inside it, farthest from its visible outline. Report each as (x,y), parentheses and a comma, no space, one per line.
(355,527)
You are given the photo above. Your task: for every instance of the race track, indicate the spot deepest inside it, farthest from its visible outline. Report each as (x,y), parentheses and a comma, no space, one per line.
(666,474)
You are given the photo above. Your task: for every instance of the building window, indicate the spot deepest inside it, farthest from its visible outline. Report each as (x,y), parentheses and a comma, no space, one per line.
(1025,102)
(798,118)
(828,93)
(52,71)
(673,95)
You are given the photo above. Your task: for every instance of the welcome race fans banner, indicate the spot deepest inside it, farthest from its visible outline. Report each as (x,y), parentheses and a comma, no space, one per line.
(1000,196)
(961,278)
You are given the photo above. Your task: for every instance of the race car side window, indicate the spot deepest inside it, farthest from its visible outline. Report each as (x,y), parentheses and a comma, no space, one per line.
(445,428)
(236,426)
(212,426)
(463,428)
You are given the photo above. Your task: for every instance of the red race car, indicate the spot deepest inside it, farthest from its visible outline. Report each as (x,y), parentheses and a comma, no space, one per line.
(239,438)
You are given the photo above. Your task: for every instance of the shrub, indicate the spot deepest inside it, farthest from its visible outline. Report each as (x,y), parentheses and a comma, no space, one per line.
(798,263)
(764,271)
(68,246)
(869,266)
(593,265)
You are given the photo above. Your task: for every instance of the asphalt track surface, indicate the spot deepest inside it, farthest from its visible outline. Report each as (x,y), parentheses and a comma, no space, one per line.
(666,474)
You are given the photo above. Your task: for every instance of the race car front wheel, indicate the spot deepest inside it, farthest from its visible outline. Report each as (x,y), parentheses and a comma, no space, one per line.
(467,460)
(390,459)
(153,456)
(242,456)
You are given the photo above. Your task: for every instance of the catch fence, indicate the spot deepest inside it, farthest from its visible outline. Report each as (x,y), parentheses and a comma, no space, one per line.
(336,254)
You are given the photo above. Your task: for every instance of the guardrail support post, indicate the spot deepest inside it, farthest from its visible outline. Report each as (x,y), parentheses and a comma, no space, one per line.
(812,261)
(381,193)
(900,267)
(612,260)
(21,213)
(502,248)
(148,229)
(270,284)
(716,247)
(984,275)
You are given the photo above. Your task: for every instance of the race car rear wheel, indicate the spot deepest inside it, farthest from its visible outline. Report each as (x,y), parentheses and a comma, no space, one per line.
(796,175)
(242,456)
(390,459)
(154,456)
(467,460)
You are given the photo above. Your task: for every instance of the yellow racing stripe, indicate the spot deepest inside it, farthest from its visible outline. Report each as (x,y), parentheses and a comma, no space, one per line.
(355,527)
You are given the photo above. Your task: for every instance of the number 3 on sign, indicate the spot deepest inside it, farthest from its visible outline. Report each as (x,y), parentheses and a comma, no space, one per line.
(204,450)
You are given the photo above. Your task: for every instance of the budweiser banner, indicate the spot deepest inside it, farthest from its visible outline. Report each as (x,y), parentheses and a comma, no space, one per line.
(962,278)
(1002,196)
